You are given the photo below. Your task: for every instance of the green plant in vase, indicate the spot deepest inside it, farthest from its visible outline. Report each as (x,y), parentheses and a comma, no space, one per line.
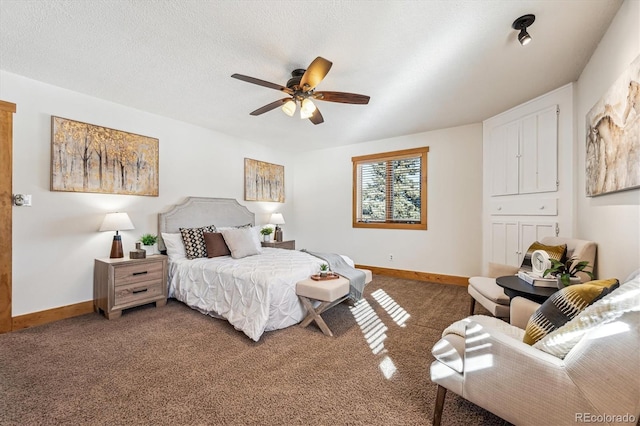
(149,240)
(567,270)
(266,233)
(324,270)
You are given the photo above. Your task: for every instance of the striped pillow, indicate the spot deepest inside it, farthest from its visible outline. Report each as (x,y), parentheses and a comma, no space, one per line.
(565,305)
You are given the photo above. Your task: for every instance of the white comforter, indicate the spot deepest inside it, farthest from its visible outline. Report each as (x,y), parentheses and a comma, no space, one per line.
(255,294)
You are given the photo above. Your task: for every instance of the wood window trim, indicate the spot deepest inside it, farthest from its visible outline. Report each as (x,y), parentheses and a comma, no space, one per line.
(392,155)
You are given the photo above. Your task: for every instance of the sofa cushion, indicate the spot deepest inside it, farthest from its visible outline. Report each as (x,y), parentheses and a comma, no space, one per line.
(489,289)
(607,310)
(565,305)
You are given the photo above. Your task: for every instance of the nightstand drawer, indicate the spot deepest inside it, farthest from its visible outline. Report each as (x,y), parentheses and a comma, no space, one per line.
(136,273)
(136,293)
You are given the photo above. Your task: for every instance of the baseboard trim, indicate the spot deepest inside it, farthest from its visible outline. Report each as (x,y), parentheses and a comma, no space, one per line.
(420,276)
(70,311)
(51,315)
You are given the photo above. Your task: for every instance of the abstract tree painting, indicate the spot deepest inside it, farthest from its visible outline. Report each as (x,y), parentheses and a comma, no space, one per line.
(613,137)
(263,181)
(90,158)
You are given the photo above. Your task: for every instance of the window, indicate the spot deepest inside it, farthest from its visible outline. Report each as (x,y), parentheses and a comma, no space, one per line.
(390,190)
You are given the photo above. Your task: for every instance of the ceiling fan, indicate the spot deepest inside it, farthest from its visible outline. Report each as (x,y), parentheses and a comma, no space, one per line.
(301,90)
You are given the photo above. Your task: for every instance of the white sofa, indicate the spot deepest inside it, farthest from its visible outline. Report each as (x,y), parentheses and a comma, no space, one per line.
(592,376)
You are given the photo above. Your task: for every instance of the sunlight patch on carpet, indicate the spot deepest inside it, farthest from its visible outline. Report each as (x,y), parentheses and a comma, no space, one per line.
(395,311)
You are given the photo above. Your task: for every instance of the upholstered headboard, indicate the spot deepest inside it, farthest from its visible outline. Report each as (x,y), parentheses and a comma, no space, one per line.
(196,212)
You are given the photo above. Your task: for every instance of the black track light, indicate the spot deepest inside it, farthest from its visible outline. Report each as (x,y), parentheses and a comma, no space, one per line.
(521,24)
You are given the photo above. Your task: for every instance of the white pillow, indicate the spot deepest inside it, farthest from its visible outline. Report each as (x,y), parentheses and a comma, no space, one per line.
(174,245)
(242,242)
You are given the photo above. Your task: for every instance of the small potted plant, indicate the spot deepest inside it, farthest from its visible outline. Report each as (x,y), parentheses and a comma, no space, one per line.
(266,233)
(149,241)
(324,270)
(567,272)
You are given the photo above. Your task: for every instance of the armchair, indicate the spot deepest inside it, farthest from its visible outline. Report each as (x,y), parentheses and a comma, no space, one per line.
(484,360)
(491,296)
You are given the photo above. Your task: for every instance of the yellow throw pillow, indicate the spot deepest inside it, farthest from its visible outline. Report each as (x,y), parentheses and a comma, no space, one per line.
(565,305)
(558,253)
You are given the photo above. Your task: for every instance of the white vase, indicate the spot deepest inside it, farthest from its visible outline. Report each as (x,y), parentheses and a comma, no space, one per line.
(267,238)
(152,249)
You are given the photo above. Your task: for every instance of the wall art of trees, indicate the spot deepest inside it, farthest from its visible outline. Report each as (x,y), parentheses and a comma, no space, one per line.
(89,158)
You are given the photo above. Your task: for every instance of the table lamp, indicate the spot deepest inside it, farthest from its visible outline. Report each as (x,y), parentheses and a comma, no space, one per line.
(277,219)
(116,222)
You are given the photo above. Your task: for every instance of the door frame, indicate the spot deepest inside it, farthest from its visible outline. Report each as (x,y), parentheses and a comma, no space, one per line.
(7,109)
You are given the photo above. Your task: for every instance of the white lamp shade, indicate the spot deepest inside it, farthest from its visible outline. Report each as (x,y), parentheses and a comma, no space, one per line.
(289,108)
(277,219)
(116,222)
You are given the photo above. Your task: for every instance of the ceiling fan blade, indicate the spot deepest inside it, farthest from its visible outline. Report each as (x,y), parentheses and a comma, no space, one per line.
(316,117)
(314,74)
(342,97)
(262,83)
(269,107)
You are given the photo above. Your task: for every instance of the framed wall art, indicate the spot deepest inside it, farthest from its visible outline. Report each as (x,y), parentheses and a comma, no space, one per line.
(613,137)
(90,158)
(263,181)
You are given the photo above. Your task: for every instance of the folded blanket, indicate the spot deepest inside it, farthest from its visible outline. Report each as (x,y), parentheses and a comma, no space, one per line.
(338,265)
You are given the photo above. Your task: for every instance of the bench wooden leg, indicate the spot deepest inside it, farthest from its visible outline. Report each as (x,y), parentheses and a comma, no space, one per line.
(472,305)
(314,315)
(437,409)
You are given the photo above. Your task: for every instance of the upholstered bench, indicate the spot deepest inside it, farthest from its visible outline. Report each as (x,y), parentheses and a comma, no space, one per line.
(328,292)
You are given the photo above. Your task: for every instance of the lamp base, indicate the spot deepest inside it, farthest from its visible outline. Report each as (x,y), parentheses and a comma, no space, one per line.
(278,234)
(116,248)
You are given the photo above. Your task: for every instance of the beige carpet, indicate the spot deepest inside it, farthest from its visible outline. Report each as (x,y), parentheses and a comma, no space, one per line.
(173,365)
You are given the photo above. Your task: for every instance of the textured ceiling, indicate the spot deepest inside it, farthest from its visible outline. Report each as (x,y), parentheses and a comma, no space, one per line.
(426,64)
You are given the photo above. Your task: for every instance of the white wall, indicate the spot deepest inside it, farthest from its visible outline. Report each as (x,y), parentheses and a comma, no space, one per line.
(612,220)
(55,241)
(452,243)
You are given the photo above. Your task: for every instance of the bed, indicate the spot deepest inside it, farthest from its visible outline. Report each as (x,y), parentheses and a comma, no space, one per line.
(254,293)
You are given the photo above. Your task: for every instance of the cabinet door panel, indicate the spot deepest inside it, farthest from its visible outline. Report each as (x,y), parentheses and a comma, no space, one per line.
(547,150)
(503,159)
(504,243)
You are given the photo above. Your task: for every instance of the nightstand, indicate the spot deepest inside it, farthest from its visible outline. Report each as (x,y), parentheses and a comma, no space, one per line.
(124,283)
(289,245)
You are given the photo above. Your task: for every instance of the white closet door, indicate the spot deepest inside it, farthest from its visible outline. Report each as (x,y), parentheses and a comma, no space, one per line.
(539,152)
(503,149)
(504,243)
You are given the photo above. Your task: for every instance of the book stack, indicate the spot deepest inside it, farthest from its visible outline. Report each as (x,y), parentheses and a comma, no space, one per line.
(537,281)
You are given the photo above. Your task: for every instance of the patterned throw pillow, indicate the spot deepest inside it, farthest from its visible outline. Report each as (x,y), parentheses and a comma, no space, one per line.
(216,246)
(193,239)
(609,309)
(565,305)
(558,253)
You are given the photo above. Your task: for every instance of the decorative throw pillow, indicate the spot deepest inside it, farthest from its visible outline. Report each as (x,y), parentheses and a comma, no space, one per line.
(216,246)
(242,242)
(564,305)
(605,311)
(558,253)
(174,245)
(193,239)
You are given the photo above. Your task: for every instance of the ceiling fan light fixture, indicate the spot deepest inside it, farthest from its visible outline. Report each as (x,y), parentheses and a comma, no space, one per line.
(307,106)
(289,107)
(521,24)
